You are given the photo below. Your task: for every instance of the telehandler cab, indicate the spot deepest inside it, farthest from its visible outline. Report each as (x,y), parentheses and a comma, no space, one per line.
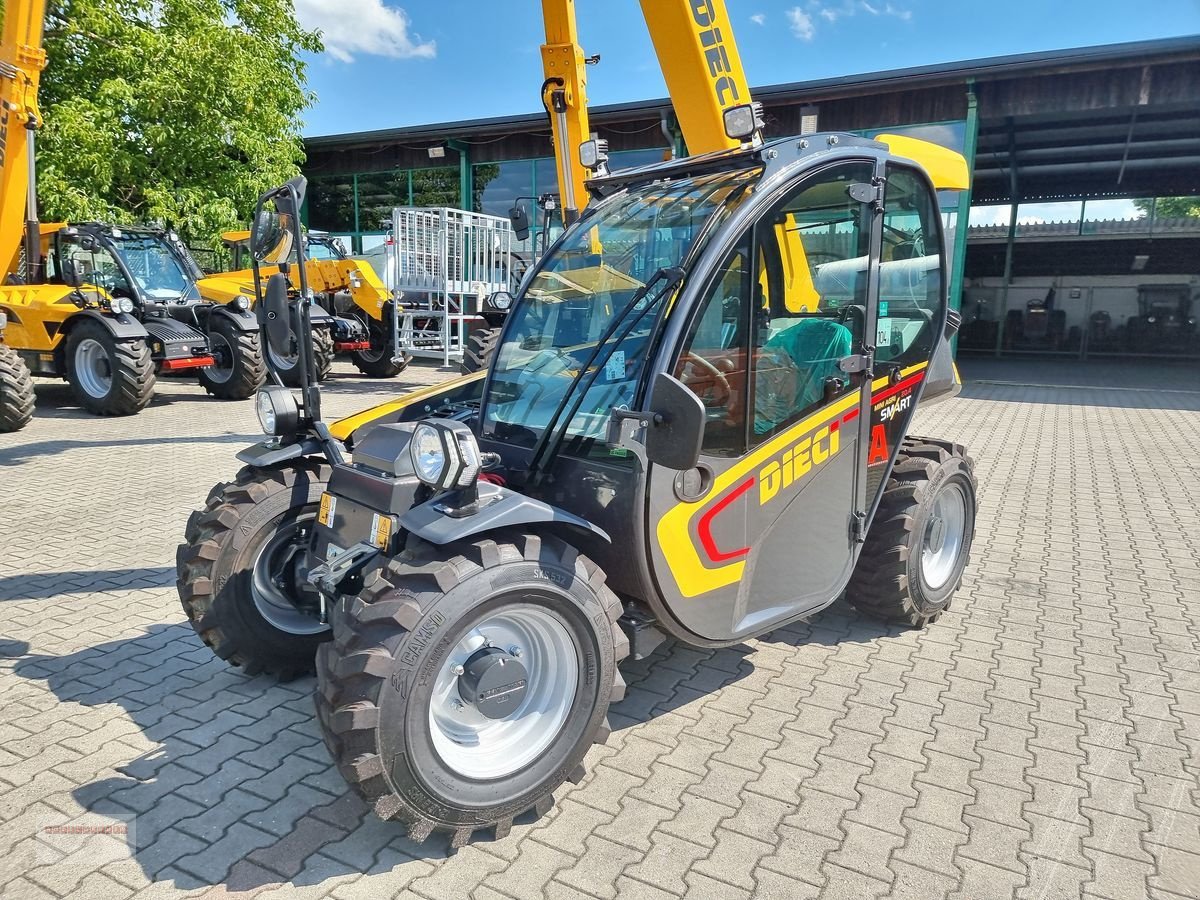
(695,425)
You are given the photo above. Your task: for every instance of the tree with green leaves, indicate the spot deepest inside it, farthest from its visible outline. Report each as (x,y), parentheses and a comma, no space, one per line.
(175,111)
(1171,207)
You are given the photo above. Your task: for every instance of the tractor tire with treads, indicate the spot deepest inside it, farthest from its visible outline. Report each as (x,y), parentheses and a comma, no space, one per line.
(323,352)
(378,362)
(481,347)
(920,540)
(238,570)
(242,350)
(423,743)
(108,377)
(16,391)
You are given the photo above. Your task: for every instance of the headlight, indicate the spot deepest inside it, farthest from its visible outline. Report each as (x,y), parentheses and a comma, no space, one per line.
(445,454)
(241,302)
(428,454)
(278,412)
(120,305)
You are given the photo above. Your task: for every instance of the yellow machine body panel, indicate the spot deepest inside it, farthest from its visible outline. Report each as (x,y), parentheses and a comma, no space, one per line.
(694,42)
(946,169)
(20,49)
(343,428)
(36,313)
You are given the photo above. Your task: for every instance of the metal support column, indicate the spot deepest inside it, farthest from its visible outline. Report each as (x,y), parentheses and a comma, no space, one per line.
(963,222)
(1014,200)
(465,186)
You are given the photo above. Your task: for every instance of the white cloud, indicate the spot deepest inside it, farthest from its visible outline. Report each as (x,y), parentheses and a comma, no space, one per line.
(758,18)
(802,23)
(831,12)
(363,26)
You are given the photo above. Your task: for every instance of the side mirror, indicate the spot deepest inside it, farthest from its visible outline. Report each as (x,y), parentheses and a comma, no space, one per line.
(87,242)
(275,319)
(520,221)
(271,237)
(676,431)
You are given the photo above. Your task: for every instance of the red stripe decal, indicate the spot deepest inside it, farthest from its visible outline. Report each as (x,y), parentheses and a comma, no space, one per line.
(850,416)
(704,526)
(895,388)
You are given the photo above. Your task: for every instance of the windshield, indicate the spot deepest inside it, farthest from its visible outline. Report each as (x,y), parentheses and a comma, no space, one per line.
(603,284)
(154,265)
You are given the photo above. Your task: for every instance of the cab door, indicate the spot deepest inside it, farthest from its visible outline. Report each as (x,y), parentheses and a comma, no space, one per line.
(763,529)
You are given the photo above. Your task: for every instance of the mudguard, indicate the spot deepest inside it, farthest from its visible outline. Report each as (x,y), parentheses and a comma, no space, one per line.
(123,326)
(242,319)
(266,454)
(317,314)
(499,507)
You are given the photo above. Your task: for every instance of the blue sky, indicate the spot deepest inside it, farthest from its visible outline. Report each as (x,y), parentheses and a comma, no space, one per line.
(412,62)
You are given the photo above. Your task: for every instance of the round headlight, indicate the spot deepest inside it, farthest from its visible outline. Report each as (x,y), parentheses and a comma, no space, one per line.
(242,302)
(278,412)
(266,412)
(428,454)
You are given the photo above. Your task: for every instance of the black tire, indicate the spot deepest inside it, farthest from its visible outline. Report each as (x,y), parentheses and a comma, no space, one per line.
(377,362)
(215,567)
(322,351)
(16,391)
(481,347)
(247,370)
(890,581)
(374,686)
(122,377)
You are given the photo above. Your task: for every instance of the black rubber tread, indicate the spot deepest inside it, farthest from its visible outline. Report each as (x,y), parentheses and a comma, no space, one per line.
(323,352)
(381,366)
(353,669)
(209,535)
(481,347)
(249,368)
(133,375)
(881,584)
(16,391)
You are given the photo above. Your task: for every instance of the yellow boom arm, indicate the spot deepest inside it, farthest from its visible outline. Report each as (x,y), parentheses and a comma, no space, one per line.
(701,65)
(21,62)
(564,92)
(693,40)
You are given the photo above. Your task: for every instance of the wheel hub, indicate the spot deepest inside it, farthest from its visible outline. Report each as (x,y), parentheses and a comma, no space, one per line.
(494,681)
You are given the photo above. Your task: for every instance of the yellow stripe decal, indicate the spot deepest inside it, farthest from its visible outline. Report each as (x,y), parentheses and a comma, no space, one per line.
(343,428)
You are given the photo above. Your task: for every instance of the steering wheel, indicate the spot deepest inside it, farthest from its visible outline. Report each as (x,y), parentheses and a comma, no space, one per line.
(715,377)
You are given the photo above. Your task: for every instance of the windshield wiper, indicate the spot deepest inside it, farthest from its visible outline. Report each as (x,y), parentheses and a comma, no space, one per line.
(544,451)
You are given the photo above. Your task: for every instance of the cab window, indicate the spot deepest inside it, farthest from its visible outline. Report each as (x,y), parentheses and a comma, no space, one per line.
(716,359)
(910,272)
(93,267)
(811,260)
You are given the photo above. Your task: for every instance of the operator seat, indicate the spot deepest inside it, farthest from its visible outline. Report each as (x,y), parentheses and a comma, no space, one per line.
(810,351)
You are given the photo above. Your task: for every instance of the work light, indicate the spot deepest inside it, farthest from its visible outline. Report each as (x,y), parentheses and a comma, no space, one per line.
(743,122)
(278,412)
(445,454)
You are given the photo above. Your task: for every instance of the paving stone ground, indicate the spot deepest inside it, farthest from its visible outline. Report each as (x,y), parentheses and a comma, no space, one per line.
(1040,741)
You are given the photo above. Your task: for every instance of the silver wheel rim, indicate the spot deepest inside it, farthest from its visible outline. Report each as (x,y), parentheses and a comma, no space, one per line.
(222,349)
(945,533)
(475,746)
(271,601)
(93,368)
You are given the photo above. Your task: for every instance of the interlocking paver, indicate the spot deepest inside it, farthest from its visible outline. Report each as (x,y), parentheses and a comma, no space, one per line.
(1040,741)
